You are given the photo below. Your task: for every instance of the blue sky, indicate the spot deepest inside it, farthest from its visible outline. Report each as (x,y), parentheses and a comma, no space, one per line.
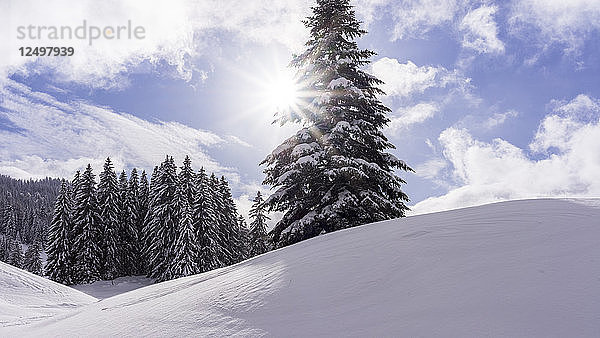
(491,100)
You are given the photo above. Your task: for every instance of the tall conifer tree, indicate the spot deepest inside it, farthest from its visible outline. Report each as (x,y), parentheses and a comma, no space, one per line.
(15,253)
(32,261)
(258,227)
(206,223)
(163,222)
(127,233)
(88,229)
(109,205)
(143,206)
(60,242)
(185,261)
(335,172)
(136,214)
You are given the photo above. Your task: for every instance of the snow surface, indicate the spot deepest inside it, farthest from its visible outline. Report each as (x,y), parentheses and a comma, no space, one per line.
(519,268)
(26,298)
(108,288)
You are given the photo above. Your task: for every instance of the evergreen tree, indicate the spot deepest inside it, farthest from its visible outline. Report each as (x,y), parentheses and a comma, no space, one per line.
(127,232)
(109,205)
(10,222)
(187,181)
(221,238)
(150,229)
(137,214)
(205,223)
(4,254)
(229,224)
(7,214)
(88,228)
(258,227)
(163,222)
(142,213)
(335,172)
(15,253)
(186,246)
(244,238)
(60,260)
(33,260)
(74,185)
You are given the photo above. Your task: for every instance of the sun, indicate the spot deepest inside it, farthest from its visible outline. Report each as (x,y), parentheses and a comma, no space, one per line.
(280,91)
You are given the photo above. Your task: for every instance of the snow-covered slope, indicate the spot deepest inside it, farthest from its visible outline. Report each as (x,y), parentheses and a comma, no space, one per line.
(26,298)
(109,288)
(520,268)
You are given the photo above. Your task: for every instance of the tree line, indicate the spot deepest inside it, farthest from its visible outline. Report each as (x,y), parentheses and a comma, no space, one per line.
(179,223)
(26,208)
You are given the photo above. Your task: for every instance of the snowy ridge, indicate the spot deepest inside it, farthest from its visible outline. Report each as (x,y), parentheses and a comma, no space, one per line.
(518,268)
(27,298)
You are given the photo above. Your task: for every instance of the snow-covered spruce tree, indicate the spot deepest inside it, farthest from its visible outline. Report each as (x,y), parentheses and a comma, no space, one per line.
(244,237)
(74,185)
(186,180)
(220,238)
(226,220)
(33,261)
(335,172)
(109,205)
(15,252)
(205,223)
(59,264)
(88,229)
(229,216)
(36,231)
(127,233)
(10,222)
(185,262)
(257,236)
(148,231)
(6,214)
(142,212)
(136,214)
(3,249)
(163,222)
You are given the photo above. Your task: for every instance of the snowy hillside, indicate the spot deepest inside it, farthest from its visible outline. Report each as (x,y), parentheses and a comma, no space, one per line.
(26,298)
(519,268)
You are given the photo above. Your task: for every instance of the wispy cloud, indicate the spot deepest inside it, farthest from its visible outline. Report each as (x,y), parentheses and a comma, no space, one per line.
(417,18)
(407,79)
(546,22)
(403,118)
(498,119)
(54,138)
(481,31)
(431,168)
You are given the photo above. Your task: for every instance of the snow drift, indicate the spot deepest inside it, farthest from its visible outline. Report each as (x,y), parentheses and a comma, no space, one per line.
(26,298)
(519,268)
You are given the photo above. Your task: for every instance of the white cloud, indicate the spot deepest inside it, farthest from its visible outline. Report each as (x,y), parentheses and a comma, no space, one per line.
(406,79)
(556,130)
(367,9)
(416,18)
(175,31)
(430,169)
(498,170)
(412,115)
(53,138)
(582,107)
(569,23)
(480,31)
(499,118)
